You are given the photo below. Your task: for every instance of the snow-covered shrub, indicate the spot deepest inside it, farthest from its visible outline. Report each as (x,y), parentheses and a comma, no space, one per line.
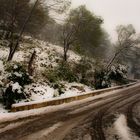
(102,79)
(18,73)
(13,93)
(118,73)
(17,78)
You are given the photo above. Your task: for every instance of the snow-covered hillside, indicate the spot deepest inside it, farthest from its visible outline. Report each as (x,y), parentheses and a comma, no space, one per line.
(47,56)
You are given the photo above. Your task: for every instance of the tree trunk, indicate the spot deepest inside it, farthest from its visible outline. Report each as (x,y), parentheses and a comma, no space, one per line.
(65,53)
(111,61)
(66,48)
(21,32)
(65,57)
(12,51)
(30,65)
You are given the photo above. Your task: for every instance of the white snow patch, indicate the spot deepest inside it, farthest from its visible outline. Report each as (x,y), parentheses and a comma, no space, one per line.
(43,92)
(75,89)
(17,74)
(123,131)
(17,87)
(39,92)
(15,66)
(113,69)
(3,53)
(121,127)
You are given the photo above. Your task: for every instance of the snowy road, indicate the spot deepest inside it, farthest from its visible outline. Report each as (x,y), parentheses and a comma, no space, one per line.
(113,117)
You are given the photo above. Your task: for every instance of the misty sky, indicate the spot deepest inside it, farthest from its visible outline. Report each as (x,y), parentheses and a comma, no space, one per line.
(114,12)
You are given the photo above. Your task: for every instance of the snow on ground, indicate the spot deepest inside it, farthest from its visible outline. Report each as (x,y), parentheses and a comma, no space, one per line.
(3,53)
(47,53)
(74,89)
(39,91)
(123,130)
(72,56)
(1,66)
(119,130)
(42,92)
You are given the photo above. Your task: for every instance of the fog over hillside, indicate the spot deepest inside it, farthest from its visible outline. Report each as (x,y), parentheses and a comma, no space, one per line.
(114,12)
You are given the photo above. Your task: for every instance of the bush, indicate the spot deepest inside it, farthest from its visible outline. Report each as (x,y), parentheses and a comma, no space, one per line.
(63,72)
(17,78)
(13,93)
(102,79)
(59,87)
(84,71)
(51,75)
(18,73)
(118,73)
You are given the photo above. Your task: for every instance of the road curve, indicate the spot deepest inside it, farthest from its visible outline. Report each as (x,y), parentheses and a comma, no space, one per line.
(86,121)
